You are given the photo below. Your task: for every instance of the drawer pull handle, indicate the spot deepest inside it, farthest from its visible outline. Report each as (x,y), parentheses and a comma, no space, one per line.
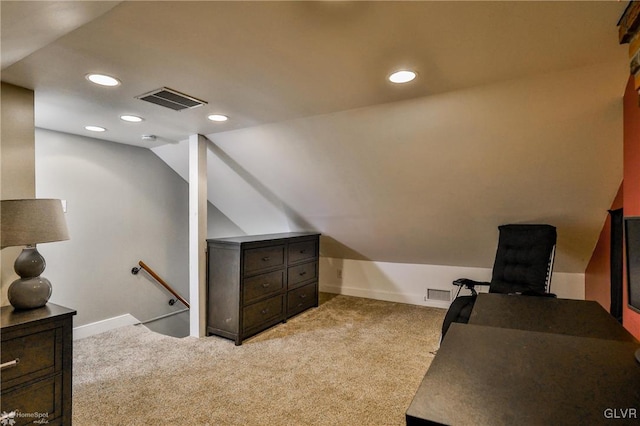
(265,311)
(266,259)
(10,364)
(302,296)
(303,251)
(303,273)
(265,285)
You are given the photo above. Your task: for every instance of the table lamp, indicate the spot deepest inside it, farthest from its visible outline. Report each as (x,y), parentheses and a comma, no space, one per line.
(27,223)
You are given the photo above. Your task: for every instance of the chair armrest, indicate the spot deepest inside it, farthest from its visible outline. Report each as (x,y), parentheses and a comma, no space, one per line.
(469,283)
(534,293)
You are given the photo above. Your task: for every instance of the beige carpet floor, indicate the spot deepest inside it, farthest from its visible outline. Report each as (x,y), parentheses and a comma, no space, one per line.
(351,361)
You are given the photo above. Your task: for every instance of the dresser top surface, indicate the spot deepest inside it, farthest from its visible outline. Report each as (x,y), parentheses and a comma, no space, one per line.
(11,317)
(265,237)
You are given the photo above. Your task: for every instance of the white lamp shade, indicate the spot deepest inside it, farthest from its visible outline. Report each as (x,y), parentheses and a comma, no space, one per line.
(32,221)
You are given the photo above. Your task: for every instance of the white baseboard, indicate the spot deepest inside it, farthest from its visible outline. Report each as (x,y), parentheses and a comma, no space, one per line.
(98,327)
(410,283)
(394,282)
(412,299)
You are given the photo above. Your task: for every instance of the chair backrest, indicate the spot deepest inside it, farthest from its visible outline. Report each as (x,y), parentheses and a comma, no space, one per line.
(524,259)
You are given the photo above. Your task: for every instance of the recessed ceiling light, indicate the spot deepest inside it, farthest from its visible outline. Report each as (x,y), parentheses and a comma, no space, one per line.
(218,117)
(402,76)
(131,118)
(95,128)
(103,80)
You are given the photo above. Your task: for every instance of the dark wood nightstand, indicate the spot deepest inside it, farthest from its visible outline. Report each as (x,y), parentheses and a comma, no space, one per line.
(36,357)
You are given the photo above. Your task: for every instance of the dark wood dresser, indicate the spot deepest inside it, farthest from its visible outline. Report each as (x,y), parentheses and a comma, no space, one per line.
(255,282)
(37,365)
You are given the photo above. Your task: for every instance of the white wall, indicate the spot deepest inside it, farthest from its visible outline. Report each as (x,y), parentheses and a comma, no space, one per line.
(232,191)
(124,205)
(408,283)
(399,188)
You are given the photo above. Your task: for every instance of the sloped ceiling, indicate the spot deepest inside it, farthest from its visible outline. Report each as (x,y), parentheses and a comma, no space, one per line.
(515,115)
(428,180)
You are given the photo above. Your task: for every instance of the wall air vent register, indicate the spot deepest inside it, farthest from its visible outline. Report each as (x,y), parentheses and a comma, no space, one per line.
(441,295)
(171,99)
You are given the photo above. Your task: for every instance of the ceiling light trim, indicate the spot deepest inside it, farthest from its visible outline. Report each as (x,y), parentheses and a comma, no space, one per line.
(103,80)
(219,118)
(130,118)
(402,76)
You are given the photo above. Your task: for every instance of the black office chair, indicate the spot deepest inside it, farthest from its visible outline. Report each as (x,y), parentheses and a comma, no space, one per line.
(523,265)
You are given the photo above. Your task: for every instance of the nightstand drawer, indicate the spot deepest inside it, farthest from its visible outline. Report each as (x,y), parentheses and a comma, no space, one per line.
(302,251)
(301,273)
(263,314)
(301,298)
(40,402)
(262,285)
(263,258)
(31,356)
(37,353)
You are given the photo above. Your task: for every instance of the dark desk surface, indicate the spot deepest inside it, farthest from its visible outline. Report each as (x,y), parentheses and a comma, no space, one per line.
(560,316)
(499,376)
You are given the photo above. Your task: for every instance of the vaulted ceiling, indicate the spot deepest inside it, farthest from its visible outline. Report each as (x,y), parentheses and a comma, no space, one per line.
(515,115)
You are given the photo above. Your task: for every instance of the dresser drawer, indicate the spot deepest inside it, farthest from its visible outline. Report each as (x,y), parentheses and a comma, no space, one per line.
(262,258)
(263,314)
(262,285)
(30,356)
(40,401)
(304,250)
(301,298)
(301,273)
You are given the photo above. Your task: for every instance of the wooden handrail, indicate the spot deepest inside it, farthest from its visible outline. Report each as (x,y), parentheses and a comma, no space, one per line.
(163,283)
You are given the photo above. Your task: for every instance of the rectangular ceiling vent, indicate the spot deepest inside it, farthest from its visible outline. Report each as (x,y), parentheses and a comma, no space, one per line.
(171,99)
